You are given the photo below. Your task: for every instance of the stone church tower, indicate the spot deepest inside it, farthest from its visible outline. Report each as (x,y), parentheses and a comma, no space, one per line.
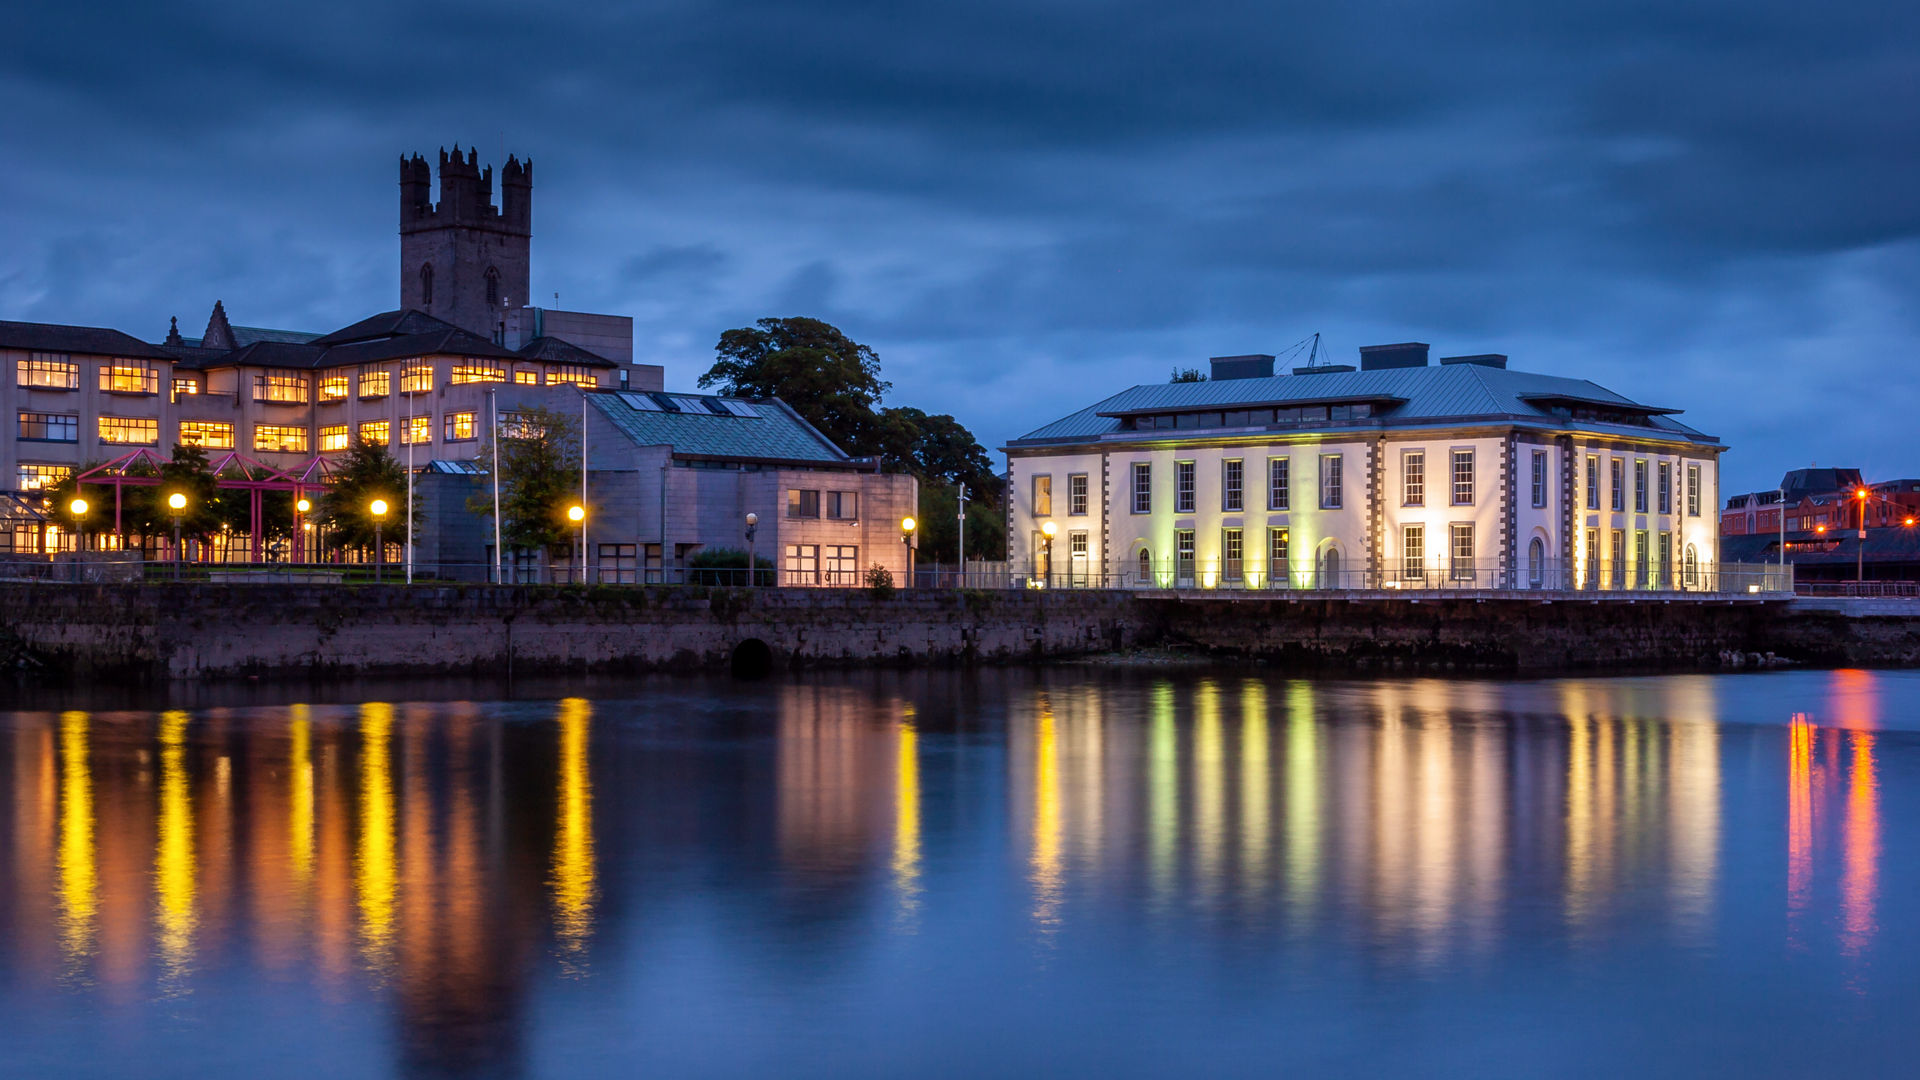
(462,260)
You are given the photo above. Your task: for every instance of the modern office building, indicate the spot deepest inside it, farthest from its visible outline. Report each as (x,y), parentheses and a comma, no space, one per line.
(1400,474)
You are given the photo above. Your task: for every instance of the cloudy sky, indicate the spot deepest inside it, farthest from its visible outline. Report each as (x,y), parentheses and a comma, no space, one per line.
(1025,206)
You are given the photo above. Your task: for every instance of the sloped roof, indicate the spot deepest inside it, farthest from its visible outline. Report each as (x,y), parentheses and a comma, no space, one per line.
(385,325)
(247,335)
(1444,393)
(757,429)
(552,350)
(87,340)
(445,341)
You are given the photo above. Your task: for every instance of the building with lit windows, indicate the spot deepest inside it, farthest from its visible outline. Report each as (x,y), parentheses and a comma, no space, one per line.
(1397,474)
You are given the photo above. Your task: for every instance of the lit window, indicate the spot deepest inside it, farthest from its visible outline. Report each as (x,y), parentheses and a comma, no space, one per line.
(1619,477)
(334,438)
(1413,478)
(1665,475)
(1593,481)
(375,384)
(572,375)
(1639,487)
(376,432)
(1232,551)
(333,387)
(37,477)
(129,377)
(1693,491)
(518,426)
(1043,496)
(211,434)
(50,427)
(129,431)
(1413,552)
(280,389)
(1463,478)
(1279,556)
(1462,551)
(1183,500)
(416,430)
(460,427)
(803,563)
(185,386)
(279,439)
(474,371)
(416,378)
(803,504)
(48,371)
(526,378)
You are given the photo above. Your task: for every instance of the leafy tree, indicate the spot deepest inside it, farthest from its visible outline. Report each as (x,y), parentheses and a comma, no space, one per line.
(368,473)
(59,498)
(728,566)
(832,381)
(1192,374)
(939,526)
(539,479)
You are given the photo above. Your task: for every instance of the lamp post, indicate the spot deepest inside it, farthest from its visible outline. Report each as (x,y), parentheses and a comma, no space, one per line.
(78,508)
(1047,530)
(906,537)
(378,508)
(961,501)
(753,525)
(300,508)
(578,515)
(1860,555)
(177,503)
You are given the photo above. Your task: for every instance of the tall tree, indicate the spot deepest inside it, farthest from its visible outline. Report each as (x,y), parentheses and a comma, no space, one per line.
(1192,374)
(539,478)
(832,381)
(368,473)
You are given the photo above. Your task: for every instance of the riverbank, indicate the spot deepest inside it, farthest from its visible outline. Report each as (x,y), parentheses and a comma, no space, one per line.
(146,632)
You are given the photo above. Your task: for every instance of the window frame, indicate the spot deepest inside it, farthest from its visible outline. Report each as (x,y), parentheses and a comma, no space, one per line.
(1233,494)
(1461,568)
(1413,477)
(101,422)
(384,427)
(131,378)
(227,433)
(1454,481)
(1185,488)
(1142,487)
(46,422)
(1593,481)
(48,362)
(449,423)
(344,433)
(373,383)
(1413,551)
(1663,486)
(1540,471)
(798,501)
(1233,553)
(1279,482)
(1077,494)
(1639,485)
(1280,552)
(1693,489)
(1618,495)
(1040,495)
(1332,481)
(303,440)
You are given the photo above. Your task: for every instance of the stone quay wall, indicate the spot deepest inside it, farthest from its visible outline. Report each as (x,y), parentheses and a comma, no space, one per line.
(162,631)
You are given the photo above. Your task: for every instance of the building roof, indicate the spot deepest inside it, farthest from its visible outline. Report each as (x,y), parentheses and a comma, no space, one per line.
(1885,543)
(552,350)
(247,335)
(365,342)
(708,426)
(87,340)
(387,324)
(1449,393)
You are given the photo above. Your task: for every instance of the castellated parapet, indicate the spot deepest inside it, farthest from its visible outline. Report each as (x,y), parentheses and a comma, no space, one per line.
(462,259)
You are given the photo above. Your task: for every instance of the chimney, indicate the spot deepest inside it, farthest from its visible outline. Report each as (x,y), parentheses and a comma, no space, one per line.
(1250,366)
(1409,354)
(1492,359)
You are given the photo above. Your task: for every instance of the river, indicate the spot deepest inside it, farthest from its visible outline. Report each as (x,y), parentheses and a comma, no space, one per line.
(1079,871)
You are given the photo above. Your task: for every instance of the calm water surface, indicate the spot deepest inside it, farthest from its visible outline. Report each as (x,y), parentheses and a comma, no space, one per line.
(1001,873)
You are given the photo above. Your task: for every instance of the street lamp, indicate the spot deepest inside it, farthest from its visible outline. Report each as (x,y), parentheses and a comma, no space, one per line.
(300,508)
(177,503)
(578,515)
(906,537)
(1860,555)
(1046,533)
(78,508)
(379,509)
(753,525)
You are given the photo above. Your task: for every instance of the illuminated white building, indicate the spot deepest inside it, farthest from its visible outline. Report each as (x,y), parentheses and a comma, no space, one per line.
(1399,475)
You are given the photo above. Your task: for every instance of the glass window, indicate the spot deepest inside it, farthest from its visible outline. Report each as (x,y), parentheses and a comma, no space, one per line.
(1183,552)
(1043,496)
(1077,494)
(416,430)
(1639,487)
(1183,501)
(185,386)
(1619,478)
(1462,552)
(841,564)
(1617,547)
(211,434)
(1663,568)
(843,505)
(1331,494)
(416,377)
(1413,552)
(334,438)
(1463,478)
(129,377)
(1413,478)
(1278,484)
(474,371)
(1690,569)
(459,427)
(279,439)
(1593,481)
(1279,556)
(1231,499)
(280,388)
(1142,487)
(1665,476)
(36,477)
(1231,554)
(803,504)
(1693,490)
(1077,543)
(48,371)
(803,562)
(333,387)
(524,377)
(374,384)
(1640,559)
(50,427)
(376,432)
(571,375)
(129,431)
(1539,478)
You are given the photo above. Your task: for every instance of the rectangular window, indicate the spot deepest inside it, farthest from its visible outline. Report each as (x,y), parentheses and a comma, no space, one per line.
(1663,570)
(1617,549)
(1665,476)
(843,505)
(416,377)
(619,564)
(474,371)
(279,439)
(334,439)
(1463,478)
(1077,544)
(1593,481)
(1462,552)
(1077,494)
(841,564)
(459,427)
(1279,484)
(376,432)
(1231,496)
(1142,487)
(1639,487)
(1183,554)
(1232,552)
(1183,499)
(1539,478)
(1331,493)
(47,371)
(1593,559)
(1042,496)
(211,434)
(416,430)
(803,504)
(1413,478)
(1279,557)
(1413,552)
(1640,559)
(376,384)
(280,389)
(1693,490)
(129,377)
(38,477)
(333,388)
(129,431)
(526,378)
(803,563)
(50,427)
(185,386)
(1619,489)
(571,375)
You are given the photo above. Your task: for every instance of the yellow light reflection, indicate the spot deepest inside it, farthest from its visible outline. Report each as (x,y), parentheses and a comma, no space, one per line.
(300,801)
(1859,883)
(1046,821)
(1302,802)
(173,861)
(374,866)
(1693,774)
(574,884)
(1799,818)
(1256,779)
(1209,786)
(906,818)
(78,868)
(1163,793)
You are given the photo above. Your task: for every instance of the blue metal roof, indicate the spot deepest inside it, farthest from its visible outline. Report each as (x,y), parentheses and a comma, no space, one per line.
(1453,393)
(705,425)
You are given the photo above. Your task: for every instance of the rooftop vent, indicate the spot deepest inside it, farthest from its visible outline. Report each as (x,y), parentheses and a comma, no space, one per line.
(1250,366)
(1323,369)
(1491,359)
(1406,355)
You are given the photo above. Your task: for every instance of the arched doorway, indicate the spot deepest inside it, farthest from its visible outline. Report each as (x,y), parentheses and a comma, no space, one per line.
(1536,563)
(1330,568)
(1146,569)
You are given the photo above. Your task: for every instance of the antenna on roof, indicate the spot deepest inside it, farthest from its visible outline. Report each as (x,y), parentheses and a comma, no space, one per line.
(1311,344)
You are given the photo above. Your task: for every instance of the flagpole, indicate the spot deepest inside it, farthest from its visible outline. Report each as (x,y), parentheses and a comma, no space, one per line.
(410,438)
(499,556)
(583,485)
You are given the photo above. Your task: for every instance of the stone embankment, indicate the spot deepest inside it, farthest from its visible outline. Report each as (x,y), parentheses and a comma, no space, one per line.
(150,632)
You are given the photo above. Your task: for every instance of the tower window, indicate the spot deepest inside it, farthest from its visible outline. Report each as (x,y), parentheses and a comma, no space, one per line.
(426,283)
(493,287)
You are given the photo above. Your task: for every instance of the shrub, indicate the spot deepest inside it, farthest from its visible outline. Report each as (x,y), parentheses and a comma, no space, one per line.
(879,581)
(727,566)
